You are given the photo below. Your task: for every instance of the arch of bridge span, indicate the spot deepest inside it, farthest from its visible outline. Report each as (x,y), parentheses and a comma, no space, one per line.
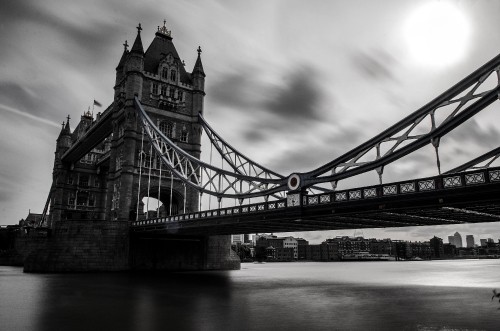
(246,178)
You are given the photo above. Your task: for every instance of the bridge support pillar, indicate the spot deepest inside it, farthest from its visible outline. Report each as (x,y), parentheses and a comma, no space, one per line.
(219,255)
(174,253)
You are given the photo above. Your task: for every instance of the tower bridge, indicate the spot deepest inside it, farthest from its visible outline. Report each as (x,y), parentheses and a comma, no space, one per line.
(147,144)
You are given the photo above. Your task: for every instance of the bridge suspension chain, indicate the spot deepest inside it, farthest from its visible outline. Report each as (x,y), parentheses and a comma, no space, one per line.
(240,163)
(453,107)
(191,171)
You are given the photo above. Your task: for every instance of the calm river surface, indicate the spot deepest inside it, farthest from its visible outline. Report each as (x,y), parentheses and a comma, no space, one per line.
(425,295)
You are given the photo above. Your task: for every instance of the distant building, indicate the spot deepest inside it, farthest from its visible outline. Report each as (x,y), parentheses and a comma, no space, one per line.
(282,246)
(421,250)
(437,247)
(402,249)
(237,239)
(31,220)
(451,240)
(449,251)
(483,242)
(383,246)
(470,241)
(458,240)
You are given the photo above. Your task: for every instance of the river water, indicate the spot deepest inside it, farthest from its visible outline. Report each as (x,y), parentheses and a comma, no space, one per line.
(420,295)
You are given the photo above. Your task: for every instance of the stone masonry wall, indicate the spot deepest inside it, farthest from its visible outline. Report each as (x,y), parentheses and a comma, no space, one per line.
(77,246)
(219,255)
(183,253)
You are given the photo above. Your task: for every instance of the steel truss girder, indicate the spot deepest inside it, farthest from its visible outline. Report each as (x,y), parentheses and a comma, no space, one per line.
(237,161)
(204,177)
(401,135)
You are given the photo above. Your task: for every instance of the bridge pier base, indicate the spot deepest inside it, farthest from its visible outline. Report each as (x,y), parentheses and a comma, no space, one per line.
(182,253)
(98,245)
(76,246)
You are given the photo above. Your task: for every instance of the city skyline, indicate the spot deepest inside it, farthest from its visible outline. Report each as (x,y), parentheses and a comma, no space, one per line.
(283,81)
(240,238)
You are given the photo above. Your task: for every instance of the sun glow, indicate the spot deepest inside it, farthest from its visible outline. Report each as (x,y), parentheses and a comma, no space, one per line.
(437,34)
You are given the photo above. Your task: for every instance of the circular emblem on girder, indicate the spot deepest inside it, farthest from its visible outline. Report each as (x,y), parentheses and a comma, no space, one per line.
(293,182)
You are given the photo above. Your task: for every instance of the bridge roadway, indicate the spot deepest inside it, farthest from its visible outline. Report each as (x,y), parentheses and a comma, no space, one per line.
(466,197)
(99,130)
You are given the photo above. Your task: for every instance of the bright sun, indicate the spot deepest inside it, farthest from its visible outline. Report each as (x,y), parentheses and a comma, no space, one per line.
(437,34)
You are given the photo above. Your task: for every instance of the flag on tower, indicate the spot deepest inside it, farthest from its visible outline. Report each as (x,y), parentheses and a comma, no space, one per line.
(96,103)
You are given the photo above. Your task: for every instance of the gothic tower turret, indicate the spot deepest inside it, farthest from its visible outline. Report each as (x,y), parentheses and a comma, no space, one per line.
(120,70)
(198,84)
(59,172)
(64,139)
(134,67)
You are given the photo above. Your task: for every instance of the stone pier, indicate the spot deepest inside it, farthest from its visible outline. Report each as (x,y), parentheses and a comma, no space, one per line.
(97,246)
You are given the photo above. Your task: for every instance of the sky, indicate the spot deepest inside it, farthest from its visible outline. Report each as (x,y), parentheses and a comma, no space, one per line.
(291,84)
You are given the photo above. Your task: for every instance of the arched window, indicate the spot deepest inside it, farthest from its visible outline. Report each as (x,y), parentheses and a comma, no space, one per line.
(184,135)
(166,128)
(164,73)
(173,75)
(155,89)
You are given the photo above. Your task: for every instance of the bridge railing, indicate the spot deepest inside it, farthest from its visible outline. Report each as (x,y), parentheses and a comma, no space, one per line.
(437,183)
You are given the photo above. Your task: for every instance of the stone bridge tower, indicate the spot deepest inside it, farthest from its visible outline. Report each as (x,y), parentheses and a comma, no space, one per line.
(173,99)
(105,167)
(110,181)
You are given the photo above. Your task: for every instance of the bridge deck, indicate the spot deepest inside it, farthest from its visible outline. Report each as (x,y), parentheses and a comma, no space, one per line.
(469,197)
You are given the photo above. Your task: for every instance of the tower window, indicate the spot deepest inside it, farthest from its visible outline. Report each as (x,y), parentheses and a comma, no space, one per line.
(164,90)
(184,136)
(71,199)
(172,93)
(155,88)
(180,95)
(166,128)
(84,181)
(92,200)
(172,75)
(147,158)
(164,73)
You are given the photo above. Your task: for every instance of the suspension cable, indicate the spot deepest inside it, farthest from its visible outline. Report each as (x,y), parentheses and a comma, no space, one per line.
(185,193)
(171,192)
(140,175)
(210,196)
(149,177)
(159,189)
(184,198)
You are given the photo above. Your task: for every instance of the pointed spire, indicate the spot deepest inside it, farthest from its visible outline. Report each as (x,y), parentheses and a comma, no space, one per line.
(66,128)
(124,55)
(198,66)
(137,46)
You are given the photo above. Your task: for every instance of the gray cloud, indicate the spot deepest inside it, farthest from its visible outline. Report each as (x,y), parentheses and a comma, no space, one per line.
(233,90)
(255,136)
(33,101)
(15,95)
(375,64)
(470,131)
(315,152)
(299,97)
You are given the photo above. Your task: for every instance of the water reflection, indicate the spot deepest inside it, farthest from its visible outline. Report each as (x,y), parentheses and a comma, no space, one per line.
(279,296)
(131,301)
